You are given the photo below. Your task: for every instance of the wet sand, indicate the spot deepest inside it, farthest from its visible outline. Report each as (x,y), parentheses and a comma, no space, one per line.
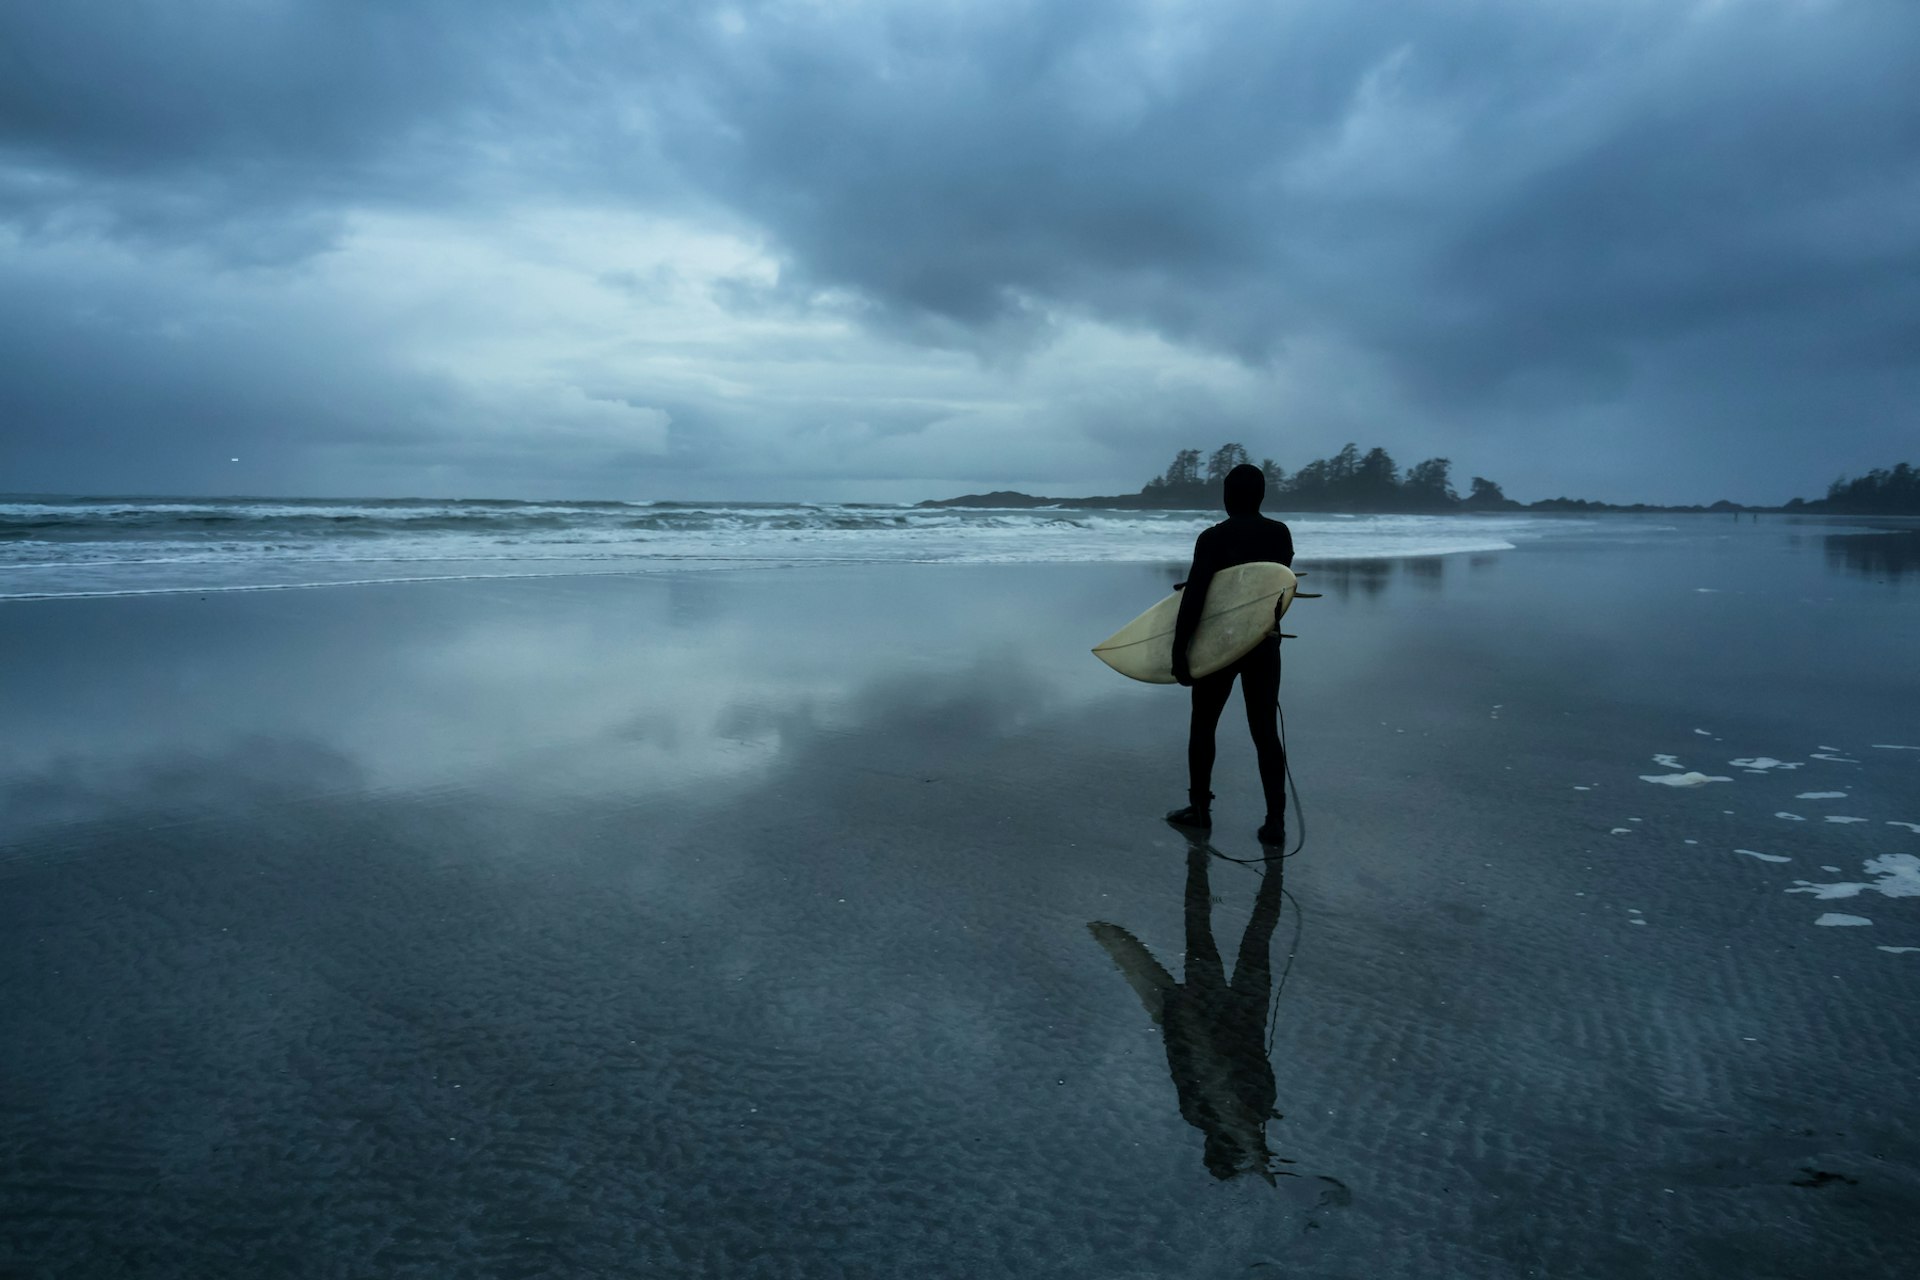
(738,924)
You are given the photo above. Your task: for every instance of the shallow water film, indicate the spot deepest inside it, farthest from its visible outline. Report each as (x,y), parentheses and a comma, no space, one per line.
(820,921)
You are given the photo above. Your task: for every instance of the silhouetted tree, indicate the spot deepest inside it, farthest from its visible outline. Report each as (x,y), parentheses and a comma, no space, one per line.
(1310,482)
(1276,475)
(1343,466)
(1185,468)
(1376,481)
(1486,496)
(1225,459)
(1428,484)
(1882,491)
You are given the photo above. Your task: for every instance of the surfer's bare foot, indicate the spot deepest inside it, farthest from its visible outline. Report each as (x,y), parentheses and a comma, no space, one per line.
(1195,816)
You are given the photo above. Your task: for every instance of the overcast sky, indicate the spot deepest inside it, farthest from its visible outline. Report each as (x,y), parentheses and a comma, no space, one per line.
(1659,250)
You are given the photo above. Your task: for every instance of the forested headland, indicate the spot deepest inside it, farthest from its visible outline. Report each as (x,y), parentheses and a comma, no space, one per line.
(1352,481)
(1884,491)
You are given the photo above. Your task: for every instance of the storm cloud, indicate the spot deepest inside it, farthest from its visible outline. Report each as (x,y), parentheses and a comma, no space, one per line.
(1660,251)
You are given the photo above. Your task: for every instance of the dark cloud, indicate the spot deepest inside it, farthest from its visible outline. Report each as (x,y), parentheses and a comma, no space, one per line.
(1472,192)
(243,124)
(1690,226)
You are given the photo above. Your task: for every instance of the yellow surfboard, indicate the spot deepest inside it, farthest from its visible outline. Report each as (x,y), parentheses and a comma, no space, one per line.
(1238,614)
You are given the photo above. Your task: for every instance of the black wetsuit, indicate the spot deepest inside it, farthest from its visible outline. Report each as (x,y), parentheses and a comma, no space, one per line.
(1244,537)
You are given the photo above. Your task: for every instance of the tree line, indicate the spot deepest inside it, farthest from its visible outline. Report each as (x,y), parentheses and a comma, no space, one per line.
(1883,491)
(1372,481)
(1348,481)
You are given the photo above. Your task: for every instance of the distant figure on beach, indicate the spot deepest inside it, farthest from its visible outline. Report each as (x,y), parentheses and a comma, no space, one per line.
(1215,1029)
(1244,537)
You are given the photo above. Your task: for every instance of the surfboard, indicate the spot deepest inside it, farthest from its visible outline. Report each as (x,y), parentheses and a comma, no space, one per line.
(1237,615)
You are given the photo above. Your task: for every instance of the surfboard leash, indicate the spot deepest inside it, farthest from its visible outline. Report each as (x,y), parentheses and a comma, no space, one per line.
(1293,791)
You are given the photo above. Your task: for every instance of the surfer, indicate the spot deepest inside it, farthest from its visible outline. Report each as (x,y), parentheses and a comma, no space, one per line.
(1244,537)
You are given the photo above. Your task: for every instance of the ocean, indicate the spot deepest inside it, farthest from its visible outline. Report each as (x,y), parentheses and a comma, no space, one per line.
(110,546)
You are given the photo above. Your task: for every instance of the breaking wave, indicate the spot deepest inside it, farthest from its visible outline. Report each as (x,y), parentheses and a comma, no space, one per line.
(110,546)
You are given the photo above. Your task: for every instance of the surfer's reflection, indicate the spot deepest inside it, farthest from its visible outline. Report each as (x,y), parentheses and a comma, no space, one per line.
(1215,1029)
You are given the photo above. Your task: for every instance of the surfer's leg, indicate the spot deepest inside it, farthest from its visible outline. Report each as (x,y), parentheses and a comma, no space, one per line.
(1210,694)
(1205,976)
(1260,687)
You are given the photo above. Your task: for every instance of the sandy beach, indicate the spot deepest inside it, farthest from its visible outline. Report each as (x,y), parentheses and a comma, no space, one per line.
(737,924)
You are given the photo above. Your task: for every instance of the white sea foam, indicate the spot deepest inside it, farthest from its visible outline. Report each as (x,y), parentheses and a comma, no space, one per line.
(1821,795)
(1764,857)
(1835,817)
(1892,746)
(1667,762)
(1760,764)
(1911,826)
(1790,817)
(1835,759)
(1842,919)
(1689,779)
(1897,875)
(1897,951)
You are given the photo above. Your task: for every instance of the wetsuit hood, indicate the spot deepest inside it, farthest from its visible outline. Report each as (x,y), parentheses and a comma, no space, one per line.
(1246,486)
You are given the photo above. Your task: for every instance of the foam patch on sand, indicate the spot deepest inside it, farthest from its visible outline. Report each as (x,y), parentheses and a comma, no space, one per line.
(1898,950)
(1790,817)
(1821,795)
(1839,918)
(1667,762)
(1691,778)
(1836,759)
(1760,764)
(1911,826)
(1764,857)
(1892,746)
(1897,876)
(1621,831)
(1839,817)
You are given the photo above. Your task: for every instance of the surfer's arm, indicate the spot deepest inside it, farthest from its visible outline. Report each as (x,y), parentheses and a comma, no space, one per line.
(1282,550)
(1192,600)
